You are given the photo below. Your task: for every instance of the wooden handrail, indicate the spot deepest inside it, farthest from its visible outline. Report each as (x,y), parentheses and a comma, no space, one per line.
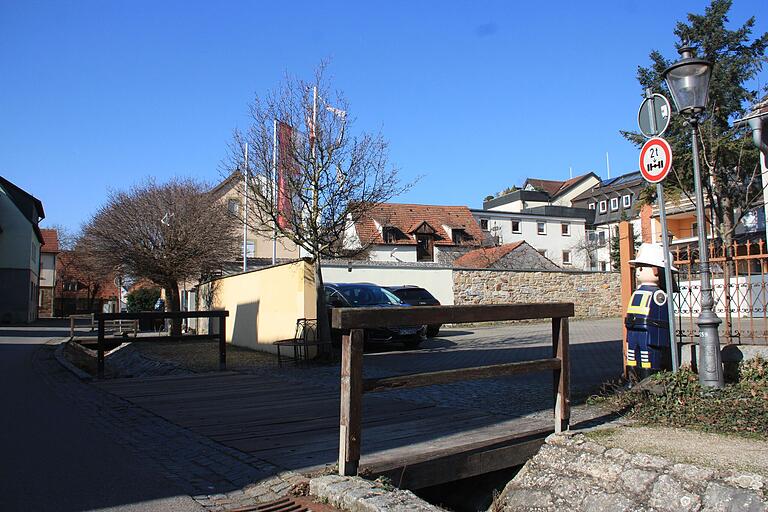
(102,318)
(353,385)
(366,318)
(416,380)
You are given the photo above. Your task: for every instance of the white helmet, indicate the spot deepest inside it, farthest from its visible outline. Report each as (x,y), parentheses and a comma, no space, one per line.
(653,255)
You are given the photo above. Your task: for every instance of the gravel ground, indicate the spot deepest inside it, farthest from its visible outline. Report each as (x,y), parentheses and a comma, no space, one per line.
(203,356)
(689,446)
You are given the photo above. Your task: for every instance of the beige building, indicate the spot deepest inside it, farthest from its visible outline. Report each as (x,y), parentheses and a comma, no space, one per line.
(259,247)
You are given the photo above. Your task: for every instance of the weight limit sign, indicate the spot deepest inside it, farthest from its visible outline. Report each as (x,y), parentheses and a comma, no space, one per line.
(655,160)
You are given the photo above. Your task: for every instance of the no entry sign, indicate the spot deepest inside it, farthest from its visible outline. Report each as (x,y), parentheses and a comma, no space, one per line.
(655,160)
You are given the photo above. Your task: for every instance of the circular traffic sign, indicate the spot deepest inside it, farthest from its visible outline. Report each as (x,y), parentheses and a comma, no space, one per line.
(653,115)
(655,160)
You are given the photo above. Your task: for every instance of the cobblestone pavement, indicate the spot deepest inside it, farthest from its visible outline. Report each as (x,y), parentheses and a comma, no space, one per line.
(216,476)
(595,359)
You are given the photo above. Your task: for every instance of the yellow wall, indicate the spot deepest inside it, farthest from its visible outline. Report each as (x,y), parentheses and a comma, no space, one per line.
(264,304)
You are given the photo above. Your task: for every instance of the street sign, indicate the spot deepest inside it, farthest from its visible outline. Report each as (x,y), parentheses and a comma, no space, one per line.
(653,116)
(655,160)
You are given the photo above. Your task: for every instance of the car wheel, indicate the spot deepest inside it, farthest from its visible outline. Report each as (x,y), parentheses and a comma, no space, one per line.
(433,330)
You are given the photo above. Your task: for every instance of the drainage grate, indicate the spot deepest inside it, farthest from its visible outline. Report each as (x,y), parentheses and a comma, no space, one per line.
(286,505)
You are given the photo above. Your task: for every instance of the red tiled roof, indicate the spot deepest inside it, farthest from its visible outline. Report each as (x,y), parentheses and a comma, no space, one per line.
(50,241)
(408,217)
(486,256)
(554,187)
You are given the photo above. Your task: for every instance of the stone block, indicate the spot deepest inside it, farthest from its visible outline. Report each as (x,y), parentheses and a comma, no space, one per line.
(643,460)
(605,502)
(746,481)
(637,481)
(527,499)
(723,498)
(670,496)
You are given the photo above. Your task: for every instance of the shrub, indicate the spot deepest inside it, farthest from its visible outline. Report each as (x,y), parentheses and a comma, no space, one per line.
(143,299)
(678,400)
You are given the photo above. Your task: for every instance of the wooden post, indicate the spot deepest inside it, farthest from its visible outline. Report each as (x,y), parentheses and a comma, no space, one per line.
(561,377)
(626,253)
(71,326)
(222,342)
(351,402)
(100,350)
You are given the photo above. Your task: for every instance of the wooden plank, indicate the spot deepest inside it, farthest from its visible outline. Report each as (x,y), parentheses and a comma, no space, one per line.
(447,376)
(352,318)
(464,464)
(562,376)
(351,402)
(160,315)
(626,253)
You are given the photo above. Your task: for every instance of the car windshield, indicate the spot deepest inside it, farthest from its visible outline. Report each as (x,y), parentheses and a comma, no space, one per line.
(369,296)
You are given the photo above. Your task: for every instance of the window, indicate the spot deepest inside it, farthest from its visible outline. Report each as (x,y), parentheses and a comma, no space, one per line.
(565,229)
(250,249)
(604,266)
(424,248)
(233,205)
(591,206)
(543,252)
(566,257)
(541,228)
(484,224)
(458,236)
(601,237)
(626,201)
(614,204)
(390,235)
(516,226)
(603,206)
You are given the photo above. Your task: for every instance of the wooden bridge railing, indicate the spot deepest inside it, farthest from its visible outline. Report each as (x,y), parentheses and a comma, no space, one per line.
(353,385)
(102,318)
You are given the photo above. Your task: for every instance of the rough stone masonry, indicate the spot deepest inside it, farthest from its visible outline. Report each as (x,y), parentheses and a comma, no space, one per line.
(594,294)
(575,474)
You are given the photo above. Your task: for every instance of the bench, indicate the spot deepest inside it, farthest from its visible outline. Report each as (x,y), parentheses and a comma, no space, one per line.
(109,325)
(305,337)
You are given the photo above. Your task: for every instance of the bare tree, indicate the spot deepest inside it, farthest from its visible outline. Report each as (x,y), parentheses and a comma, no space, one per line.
(78,271)
(167,233)
(309,178)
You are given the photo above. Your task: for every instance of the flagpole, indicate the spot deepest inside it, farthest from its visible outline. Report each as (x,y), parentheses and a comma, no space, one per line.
(276,203)
(245,211)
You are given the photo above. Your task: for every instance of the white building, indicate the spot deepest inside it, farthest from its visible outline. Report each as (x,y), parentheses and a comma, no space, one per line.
(557,232)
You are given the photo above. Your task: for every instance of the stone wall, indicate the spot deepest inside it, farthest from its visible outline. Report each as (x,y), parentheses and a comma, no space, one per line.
(595,294)
(574,474)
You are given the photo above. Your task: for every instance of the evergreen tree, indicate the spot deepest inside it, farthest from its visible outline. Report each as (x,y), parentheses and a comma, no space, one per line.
(729,161)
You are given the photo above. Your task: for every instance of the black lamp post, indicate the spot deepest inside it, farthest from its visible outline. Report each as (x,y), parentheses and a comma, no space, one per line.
(688,81)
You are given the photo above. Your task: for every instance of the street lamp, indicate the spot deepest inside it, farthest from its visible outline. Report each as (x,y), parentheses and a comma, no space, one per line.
(688,81)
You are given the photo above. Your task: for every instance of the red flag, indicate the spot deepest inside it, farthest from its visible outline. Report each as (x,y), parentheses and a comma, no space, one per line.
(285,166)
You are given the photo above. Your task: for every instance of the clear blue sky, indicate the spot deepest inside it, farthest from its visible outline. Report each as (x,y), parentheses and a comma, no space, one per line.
(474,96)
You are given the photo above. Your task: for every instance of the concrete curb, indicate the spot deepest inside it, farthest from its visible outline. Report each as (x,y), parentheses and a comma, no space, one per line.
(63,361)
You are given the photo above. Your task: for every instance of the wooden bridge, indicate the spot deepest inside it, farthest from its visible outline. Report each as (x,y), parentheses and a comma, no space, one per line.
(307,427)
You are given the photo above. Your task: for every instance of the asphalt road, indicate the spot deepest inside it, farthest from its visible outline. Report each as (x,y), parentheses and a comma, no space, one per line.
(50,457)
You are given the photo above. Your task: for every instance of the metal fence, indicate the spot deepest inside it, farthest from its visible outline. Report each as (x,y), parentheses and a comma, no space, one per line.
(739,274)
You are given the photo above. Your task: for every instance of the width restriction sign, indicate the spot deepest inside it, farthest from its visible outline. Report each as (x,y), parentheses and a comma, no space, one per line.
(655,160)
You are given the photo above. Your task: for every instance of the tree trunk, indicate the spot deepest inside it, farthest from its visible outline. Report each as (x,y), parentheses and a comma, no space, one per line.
(173,302)
(323,326)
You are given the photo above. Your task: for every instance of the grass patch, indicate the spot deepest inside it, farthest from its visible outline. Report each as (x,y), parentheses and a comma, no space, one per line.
(678,400)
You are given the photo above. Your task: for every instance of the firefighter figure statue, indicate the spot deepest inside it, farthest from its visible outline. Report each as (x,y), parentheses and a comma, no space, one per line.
(647,320)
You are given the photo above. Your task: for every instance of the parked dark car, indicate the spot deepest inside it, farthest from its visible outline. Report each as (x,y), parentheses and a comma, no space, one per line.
(417,296)
(366,295)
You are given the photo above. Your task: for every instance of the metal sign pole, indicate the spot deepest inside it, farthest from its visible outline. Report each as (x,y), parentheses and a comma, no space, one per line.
(668,274)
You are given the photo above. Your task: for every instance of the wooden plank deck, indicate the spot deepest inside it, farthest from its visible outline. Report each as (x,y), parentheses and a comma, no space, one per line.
(297,427)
